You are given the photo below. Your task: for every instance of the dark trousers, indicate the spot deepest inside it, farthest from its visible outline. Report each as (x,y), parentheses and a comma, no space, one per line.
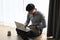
(26,35)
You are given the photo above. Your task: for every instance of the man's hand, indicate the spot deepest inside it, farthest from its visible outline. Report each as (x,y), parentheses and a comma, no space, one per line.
(32,27)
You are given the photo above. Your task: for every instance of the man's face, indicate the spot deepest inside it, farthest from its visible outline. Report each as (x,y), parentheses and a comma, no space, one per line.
(31,11)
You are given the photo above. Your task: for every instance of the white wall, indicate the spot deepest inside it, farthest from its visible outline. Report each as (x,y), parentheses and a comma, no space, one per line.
(14,10)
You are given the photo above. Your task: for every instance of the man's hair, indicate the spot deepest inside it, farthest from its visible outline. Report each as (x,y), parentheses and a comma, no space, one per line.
(30,7)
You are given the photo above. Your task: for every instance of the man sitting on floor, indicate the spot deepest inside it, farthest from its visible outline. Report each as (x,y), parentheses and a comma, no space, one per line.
(38,23)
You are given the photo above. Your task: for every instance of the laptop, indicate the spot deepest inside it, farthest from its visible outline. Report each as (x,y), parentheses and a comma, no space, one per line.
(22,27)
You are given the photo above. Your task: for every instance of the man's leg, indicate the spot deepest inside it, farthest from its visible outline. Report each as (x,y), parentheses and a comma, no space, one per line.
(22,34)
(34,33)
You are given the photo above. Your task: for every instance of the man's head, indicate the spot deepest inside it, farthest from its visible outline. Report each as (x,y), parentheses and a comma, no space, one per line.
(30,8)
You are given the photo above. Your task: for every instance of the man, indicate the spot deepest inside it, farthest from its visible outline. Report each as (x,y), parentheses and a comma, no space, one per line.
(38,23)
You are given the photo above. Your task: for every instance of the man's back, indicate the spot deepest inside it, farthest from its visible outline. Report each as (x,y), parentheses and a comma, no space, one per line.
(37,19)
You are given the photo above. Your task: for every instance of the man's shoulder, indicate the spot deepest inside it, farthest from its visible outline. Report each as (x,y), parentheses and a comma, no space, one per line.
(39,13)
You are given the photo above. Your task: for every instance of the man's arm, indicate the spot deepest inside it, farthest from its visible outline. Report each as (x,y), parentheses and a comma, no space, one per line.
(42,22)
(27,21)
